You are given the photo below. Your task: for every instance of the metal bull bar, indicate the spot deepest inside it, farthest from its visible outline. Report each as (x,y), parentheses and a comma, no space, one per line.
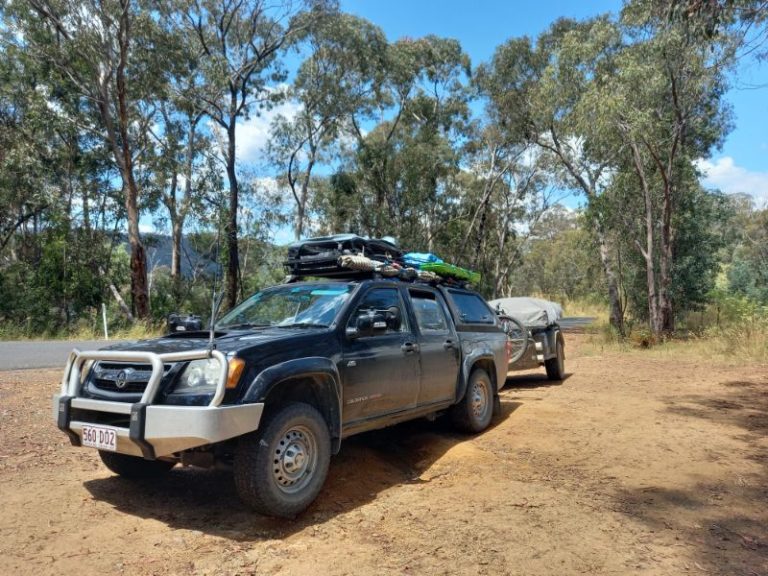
(154,430)
(71,382)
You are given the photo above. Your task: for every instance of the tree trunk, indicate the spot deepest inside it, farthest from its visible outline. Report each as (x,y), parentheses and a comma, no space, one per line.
(139,297)
(139,292)
(176,228)
(666,311)
(589,188)
(480,236)
(301,209)
(299,221)
(233,258)
(118,298)
(654,320)
(616,312)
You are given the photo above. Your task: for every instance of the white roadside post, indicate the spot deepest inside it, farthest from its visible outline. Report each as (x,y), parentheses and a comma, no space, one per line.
(104,318)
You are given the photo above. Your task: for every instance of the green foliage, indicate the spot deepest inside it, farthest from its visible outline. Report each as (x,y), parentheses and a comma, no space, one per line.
(561,262)
(748,271)
(382,139)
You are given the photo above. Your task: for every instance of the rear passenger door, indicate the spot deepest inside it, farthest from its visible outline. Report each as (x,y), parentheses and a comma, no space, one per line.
(438,347)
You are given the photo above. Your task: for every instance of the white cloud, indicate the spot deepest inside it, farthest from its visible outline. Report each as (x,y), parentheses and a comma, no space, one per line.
(253,134)
(730,178)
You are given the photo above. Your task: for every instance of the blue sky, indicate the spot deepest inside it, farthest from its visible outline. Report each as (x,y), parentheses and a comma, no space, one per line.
(480,26)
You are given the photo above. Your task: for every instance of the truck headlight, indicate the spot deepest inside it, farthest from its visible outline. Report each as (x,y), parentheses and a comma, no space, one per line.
(86,369)
(199,377)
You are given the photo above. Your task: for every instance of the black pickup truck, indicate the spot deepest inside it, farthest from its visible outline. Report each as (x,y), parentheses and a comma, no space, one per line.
(293,370)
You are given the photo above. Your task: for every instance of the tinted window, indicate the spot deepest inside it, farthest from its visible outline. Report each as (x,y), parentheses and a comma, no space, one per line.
(429,313)
(385,301)
(472,309)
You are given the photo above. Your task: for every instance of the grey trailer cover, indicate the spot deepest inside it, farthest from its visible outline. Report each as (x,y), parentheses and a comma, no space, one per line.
(531,312)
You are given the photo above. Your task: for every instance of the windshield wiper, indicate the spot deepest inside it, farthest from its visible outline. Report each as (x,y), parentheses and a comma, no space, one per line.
(241,326)
(302,325)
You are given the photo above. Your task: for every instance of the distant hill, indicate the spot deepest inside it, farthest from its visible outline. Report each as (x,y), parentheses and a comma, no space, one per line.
(159,250)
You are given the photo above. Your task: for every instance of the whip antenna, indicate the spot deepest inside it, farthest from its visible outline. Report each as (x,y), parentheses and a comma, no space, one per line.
(215,302)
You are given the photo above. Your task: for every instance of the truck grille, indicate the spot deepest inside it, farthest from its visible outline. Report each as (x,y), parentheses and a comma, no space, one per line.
(123,377)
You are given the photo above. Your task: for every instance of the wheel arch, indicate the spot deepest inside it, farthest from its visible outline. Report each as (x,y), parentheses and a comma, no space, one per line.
(485,360)
(313,380)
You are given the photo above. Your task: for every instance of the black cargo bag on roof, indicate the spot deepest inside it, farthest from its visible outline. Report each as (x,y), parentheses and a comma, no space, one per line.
(320,256)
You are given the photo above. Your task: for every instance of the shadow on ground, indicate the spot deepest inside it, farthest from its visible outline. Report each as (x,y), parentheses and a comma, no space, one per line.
(726,520)
(367,465)
(531,380)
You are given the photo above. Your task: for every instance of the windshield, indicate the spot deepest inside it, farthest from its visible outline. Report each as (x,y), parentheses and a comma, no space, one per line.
(314,305)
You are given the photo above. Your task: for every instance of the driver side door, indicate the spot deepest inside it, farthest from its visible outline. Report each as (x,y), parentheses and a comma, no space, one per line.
(380,372)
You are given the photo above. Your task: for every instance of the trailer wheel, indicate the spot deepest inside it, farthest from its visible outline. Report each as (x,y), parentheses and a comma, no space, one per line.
(556,366)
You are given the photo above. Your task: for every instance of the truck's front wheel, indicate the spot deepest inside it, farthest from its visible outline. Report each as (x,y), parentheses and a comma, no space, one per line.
(133,466)
(280,469)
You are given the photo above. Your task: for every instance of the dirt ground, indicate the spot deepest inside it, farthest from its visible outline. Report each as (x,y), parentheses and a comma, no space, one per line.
(633,465)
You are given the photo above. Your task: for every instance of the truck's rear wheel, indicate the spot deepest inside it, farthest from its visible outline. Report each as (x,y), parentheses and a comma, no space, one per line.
(474,412)
(133,466)
(556,366)
(280,469)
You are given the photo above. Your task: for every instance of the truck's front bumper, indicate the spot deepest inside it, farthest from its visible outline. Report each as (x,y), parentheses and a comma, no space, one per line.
(144,428)
(156,431)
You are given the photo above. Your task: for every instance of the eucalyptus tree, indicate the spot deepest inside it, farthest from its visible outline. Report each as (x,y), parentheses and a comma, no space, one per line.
(56,199)
(508,193)
(105,52)
(707,20)
(418,108)
(27,146)
(667,105)
(239,44)
(341,70)
(542,93)
(183,174)
(182,169)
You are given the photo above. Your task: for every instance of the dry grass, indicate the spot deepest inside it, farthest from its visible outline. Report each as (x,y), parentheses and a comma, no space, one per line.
(134,332)
(586,308)
(731,345)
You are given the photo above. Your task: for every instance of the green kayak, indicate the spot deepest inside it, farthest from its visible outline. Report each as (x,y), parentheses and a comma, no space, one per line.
(451,271)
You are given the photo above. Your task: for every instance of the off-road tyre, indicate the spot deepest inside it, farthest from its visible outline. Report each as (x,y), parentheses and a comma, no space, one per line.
(280,469)
(556,366)
(133,466)
(474,412)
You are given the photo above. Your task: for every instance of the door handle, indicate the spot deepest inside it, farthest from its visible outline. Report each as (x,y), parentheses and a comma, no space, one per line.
(409,347)
(448,344)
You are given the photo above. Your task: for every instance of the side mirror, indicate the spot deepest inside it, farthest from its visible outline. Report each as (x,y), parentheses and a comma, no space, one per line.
(352,333)
(394,318)
(371,324)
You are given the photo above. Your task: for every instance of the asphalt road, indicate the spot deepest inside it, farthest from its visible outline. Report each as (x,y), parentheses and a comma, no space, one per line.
(42,353)
(575,323)
(53,353)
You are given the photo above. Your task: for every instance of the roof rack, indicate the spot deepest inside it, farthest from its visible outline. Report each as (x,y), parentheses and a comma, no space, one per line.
(351,257)
(357,275)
